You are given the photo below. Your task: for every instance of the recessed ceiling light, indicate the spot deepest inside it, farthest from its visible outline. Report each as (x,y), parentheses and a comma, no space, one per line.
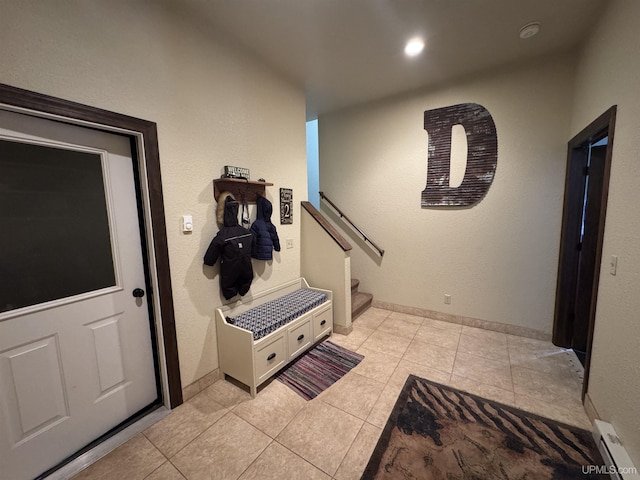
(529,30)
(414,47)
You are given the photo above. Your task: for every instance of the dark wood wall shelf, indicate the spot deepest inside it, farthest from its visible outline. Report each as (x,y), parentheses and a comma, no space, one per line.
(246,190)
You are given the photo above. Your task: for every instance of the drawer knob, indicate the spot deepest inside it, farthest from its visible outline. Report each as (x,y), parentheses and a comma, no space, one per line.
(322,323)
(300,337)
(272,356)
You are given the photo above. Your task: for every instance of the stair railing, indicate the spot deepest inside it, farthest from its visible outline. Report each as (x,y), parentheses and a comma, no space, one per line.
(353,226)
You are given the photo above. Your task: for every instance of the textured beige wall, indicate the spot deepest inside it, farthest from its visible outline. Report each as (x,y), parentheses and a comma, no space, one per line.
(498,259)
(214,106)
(608,74)
(325,265)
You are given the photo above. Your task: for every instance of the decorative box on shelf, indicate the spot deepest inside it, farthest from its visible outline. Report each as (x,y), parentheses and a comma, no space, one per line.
(236,172)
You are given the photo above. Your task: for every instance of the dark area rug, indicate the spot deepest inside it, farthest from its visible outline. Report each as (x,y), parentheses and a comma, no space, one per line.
(438,432)
(318,369)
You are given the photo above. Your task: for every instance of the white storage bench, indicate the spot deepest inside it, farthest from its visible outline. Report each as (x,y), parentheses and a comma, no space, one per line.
(262,333)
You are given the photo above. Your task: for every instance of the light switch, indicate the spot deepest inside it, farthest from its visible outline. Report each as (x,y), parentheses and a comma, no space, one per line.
(187,224)
(613,264)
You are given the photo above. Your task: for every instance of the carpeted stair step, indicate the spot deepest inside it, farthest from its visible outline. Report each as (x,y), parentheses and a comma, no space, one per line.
(359,303)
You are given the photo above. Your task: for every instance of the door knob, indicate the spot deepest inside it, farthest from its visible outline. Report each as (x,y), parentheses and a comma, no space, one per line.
(138,293)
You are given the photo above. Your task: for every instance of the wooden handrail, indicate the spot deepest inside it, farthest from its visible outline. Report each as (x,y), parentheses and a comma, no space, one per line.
(353,225)
(324,223)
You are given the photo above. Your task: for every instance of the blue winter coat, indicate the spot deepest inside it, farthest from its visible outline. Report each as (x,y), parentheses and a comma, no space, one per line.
(265,237)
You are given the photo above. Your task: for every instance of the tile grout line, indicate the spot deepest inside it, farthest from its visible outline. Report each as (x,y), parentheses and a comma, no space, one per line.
(257,456)
(304,459)
(202,433)
(513,383)
(154,446)
(308,461)
(455,357)
(349,449)
(177,469)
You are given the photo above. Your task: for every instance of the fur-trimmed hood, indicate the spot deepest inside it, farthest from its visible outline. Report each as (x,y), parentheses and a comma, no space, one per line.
(225,213)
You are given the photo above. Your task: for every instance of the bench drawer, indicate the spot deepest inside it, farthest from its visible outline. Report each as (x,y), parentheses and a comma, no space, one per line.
(270,357)
(300,338)
(322,323)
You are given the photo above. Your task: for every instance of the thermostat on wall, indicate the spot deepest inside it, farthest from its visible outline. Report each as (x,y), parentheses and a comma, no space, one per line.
(187,223)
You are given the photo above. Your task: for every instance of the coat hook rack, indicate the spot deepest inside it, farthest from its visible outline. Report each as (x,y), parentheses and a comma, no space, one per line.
(243,190)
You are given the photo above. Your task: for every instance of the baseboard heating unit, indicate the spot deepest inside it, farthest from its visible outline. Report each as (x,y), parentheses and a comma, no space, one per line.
(617,462)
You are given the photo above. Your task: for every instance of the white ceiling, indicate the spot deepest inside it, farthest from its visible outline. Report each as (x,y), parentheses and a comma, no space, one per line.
(345,52)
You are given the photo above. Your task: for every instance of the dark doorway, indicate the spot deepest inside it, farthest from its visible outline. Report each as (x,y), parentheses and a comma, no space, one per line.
(583,220)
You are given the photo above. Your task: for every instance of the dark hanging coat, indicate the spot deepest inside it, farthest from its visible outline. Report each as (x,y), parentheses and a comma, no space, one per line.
(232,245)
(264,232)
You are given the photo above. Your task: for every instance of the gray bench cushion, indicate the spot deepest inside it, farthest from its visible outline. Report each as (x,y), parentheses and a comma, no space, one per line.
(268,317)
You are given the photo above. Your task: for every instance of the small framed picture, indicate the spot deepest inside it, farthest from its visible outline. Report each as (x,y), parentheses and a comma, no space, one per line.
(286,206)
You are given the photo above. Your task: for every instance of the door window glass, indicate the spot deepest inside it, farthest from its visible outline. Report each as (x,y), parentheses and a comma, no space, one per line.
(54,227)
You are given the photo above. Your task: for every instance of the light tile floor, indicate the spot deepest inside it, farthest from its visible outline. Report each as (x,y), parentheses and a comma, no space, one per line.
(222,433)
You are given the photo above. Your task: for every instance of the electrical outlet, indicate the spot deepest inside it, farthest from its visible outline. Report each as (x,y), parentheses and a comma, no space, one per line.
(447,299)
(289,242)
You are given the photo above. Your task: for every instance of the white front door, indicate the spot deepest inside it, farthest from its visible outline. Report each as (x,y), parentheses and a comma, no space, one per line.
(76,357)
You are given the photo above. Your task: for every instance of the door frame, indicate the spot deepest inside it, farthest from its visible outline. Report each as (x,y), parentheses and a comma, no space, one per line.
(604,125)
(145,153)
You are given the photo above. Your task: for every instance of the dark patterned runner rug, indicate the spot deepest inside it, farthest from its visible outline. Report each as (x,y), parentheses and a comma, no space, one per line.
(318,369)
(438,432)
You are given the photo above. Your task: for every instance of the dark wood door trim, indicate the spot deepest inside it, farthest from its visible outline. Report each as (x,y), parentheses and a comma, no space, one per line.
(589,263)
(569,254)
(76,113)
(603,126)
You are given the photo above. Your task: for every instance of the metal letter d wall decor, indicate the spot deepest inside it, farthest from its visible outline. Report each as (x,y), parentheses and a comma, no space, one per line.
(482,155)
